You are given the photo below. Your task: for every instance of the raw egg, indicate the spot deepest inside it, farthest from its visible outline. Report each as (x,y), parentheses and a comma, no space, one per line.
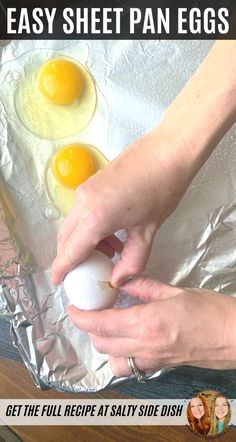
(87,285)
(74,164)
(69,167)
(61,81)
(56,99)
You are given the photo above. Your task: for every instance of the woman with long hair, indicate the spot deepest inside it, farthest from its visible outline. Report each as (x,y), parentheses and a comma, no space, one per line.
(198,414)
(221,414)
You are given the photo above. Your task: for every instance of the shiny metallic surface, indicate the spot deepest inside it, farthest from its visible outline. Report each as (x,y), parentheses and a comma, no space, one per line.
(195,247)
(139,375)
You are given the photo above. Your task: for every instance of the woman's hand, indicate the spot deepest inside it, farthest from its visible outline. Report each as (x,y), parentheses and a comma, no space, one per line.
(141,187)
(174,326)
(135,192)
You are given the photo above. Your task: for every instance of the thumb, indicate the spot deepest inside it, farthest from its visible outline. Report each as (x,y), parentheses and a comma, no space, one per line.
(148,289)
(133,258)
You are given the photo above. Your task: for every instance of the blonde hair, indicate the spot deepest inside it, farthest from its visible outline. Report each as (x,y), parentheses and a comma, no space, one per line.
(214,420)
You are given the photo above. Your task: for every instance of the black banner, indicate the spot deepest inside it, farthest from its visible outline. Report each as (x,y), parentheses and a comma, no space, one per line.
(118,19)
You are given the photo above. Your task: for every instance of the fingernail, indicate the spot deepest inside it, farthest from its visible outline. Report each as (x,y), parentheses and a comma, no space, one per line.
(113,282)
(116,283)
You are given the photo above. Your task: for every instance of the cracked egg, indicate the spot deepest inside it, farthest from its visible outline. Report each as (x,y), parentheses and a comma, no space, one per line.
(57,98)
(69,167)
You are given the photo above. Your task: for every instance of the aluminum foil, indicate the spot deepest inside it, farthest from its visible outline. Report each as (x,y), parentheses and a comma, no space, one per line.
(195,247)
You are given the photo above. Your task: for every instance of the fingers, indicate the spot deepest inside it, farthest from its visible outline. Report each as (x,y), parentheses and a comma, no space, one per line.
(133,258)
(116,346)
(111,322)
(119,366)
(68,226)
(72,253)
(148,289)
(68,255)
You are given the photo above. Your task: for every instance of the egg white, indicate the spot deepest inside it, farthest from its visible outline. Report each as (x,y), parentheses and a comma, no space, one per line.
(46,119)
(37,152)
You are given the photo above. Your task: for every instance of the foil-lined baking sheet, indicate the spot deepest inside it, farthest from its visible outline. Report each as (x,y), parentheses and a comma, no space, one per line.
(195,247)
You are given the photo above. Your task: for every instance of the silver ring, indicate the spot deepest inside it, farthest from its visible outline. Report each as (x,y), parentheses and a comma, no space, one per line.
(140,375)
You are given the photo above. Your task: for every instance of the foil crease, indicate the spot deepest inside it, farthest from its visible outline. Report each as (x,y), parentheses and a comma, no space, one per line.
(194,247)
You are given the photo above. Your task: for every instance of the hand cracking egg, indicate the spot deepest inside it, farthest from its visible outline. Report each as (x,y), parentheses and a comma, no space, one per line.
(57,98)
(87,285)
(69,167)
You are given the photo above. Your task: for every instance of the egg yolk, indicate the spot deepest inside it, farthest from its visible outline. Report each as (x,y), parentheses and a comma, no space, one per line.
(61,81)
(73,164)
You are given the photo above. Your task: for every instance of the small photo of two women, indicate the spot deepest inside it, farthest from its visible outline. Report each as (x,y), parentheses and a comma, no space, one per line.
(209,413)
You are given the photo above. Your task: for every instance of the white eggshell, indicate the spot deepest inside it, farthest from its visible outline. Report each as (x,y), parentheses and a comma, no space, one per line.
(87,285)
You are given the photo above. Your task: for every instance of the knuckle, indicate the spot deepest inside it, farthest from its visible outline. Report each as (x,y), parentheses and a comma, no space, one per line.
(86,189)
(173,337)
(98,329)
(149,331)
(133,319)
(82,191)
(153,326)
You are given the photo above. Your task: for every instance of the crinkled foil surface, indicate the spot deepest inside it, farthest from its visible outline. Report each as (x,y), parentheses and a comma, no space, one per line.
(136,81)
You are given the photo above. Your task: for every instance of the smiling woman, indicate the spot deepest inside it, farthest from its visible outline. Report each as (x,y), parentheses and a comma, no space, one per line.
(221,415)
(198,414)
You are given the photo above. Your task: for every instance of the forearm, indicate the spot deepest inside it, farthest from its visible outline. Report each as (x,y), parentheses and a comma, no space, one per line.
(141,187)
(204,110)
